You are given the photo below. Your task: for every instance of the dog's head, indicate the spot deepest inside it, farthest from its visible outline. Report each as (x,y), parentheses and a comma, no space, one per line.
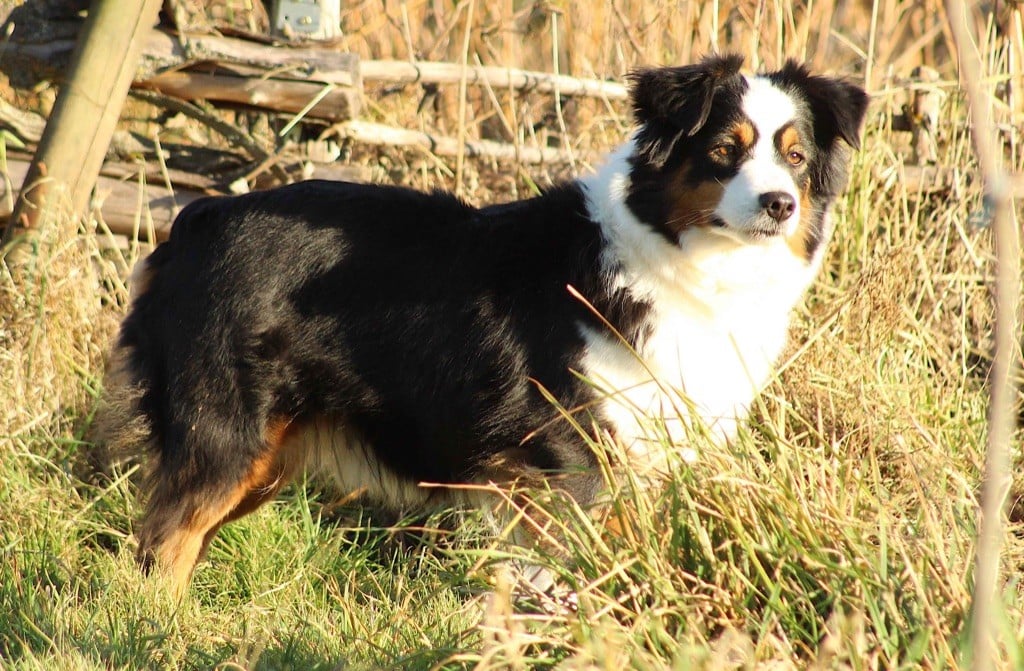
(750,157)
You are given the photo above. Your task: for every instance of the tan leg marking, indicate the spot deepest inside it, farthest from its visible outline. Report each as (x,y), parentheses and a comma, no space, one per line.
(177,530)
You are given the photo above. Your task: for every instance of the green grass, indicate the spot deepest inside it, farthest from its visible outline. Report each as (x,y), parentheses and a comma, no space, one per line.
(838,532)
(281,587)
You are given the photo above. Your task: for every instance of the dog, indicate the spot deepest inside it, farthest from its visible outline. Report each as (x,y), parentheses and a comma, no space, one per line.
(395,338)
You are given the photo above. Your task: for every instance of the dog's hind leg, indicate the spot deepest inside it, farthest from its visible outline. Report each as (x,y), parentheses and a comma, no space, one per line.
(184,512)
(528,504)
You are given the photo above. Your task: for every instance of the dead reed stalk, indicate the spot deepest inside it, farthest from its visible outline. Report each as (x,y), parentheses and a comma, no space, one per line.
(1001,420)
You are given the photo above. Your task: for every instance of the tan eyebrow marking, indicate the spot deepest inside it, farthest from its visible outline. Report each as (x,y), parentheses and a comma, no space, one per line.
(744,133)
(787,138)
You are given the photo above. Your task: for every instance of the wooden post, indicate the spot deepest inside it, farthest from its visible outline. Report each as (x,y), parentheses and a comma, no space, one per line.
(70,153)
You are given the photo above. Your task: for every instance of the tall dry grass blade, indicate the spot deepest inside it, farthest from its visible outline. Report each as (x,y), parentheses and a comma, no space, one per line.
(563,131)
(714,26)
(460,159)
(1002,391)
(872,36)
(755,32)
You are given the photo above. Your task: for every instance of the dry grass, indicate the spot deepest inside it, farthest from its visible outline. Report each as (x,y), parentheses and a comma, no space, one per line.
(58,321)
(838,533)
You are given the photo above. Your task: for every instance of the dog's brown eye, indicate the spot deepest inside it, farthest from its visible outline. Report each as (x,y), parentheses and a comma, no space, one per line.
(723,152)
(795,157)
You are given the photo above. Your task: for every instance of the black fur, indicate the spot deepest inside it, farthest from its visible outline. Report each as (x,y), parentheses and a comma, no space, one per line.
(673,103)
(674,108)
(424,323)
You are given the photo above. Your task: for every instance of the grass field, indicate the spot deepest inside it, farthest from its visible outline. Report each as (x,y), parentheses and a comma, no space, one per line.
(838,532)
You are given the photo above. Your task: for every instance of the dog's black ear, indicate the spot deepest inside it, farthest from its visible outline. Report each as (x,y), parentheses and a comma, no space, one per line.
(681,96)
(670,103)
(838,106)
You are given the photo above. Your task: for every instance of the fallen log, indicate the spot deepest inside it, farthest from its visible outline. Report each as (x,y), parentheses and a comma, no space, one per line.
(404,72)
(28,127)
(320,83)
(164,51)
(931,179)
(122,202)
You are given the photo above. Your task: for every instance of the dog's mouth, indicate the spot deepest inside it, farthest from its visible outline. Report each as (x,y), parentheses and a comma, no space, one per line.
(764,231)
(756,230)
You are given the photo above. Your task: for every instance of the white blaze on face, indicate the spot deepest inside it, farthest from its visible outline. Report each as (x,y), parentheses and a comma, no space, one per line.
(769,109)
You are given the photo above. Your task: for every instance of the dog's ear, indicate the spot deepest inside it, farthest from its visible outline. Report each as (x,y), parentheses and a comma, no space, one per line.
(670,103)
(838,106)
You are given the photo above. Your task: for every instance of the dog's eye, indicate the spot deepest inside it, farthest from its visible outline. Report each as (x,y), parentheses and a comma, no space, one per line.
(723,152)
(795,157)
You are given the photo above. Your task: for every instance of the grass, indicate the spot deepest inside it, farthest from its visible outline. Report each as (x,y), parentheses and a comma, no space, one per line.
(838,531)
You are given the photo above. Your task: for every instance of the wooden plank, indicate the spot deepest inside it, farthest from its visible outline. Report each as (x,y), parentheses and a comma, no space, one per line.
(328,102)
(163,51)
(404,72)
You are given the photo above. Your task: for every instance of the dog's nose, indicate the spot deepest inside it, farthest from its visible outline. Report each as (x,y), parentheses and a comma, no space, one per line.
(778,204)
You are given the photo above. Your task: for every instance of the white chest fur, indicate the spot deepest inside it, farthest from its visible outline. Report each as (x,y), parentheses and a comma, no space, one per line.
(720,317)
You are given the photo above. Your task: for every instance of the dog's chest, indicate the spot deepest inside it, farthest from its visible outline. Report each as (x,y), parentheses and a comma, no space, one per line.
(713,340)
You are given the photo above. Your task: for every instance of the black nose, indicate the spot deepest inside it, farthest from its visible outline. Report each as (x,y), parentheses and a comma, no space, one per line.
(778,204)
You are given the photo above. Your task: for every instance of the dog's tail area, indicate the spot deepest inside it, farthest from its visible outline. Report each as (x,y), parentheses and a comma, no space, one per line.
(122,431)
(173,406)
(126,425)
(130,430)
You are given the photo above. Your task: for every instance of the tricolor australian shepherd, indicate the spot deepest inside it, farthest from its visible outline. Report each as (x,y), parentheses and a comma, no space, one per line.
(395,338)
